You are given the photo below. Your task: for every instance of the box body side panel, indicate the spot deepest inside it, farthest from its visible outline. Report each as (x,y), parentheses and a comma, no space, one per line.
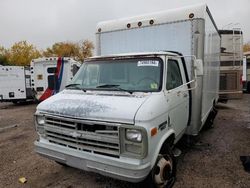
(211,68)
(12,83)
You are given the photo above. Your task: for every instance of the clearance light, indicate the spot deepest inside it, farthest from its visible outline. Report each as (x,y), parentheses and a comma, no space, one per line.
(191,15)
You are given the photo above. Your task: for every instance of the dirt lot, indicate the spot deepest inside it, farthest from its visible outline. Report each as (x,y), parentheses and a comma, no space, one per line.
(212,162)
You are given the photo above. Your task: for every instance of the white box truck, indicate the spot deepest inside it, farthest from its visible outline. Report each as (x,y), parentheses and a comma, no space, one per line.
(126,109)
(50,75)
(15,84)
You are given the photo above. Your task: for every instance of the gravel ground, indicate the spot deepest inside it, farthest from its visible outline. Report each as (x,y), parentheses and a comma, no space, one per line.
(212,162)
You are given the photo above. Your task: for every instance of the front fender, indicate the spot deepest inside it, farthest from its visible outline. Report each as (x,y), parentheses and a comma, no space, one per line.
(159,145)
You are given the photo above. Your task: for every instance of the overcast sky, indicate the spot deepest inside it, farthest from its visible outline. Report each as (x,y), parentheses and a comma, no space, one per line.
(44,22)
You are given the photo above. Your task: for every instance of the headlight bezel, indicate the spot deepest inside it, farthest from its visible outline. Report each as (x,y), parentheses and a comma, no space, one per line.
(142,146)
(39,121)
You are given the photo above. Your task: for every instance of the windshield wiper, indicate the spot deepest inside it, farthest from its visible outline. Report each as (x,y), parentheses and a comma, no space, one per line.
(115,86)
(71,85)
(107,86)
(75,86)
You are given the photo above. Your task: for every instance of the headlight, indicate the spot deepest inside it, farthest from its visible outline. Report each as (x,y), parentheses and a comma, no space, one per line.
(133,141)
(39,123)
(133,135)
(40,120)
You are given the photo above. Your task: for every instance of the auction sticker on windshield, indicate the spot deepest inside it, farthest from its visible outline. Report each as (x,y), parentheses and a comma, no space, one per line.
(153,63)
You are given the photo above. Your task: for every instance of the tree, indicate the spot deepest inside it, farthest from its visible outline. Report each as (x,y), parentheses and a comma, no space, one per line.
(66,49)
(246,47)
(79,51)
(86,48)
(21,53)
(3,56)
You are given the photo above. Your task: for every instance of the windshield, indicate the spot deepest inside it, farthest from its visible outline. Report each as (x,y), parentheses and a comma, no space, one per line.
(142,75)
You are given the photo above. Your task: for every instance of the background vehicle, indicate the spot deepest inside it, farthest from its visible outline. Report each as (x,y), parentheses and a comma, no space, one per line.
(15,84)
(44,78)
(231,64)
(123,113)
(51,75)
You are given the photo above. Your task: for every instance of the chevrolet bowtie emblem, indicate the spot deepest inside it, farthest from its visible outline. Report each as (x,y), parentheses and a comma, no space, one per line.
(75,134)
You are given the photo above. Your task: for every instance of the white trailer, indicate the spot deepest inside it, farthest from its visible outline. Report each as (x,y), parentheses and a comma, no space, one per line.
(126,109)
(50,75)
(15,84)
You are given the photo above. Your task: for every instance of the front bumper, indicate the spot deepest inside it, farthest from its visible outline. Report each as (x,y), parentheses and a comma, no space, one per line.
(118,168)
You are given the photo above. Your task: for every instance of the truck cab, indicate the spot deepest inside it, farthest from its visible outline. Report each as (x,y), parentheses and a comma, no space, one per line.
(119,117)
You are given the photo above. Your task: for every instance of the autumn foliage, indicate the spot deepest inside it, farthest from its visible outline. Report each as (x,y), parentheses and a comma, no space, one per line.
(21,53)
(78,50)
(246,47)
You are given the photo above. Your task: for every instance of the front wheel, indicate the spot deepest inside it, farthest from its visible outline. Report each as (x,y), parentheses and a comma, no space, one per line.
(163,174)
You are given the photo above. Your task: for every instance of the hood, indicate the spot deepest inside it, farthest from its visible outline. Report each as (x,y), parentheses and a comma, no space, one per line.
(94,106)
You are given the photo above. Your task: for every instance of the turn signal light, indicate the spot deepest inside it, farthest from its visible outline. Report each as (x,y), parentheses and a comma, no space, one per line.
(153,131)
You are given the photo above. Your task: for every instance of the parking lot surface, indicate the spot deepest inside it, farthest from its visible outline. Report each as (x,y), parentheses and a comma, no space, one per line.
(214,161)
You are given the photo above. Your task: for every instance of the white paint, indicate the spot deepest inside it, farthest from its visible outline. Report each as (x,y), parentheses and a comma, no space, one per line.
(171,15)
(110,107)
(12,79)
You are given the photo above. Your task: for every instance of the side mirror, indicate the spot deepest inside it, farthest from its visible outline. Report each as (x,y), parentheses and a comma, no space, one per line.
(198,65)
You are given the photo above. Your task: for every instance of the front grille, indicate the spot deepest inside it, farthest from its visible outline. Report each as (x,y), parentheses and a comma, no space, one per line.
(100,138)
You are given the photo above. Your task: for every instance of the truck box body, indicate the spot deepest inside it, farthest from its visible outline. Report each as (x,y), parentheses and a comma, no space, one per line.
(190,31)
(50,75)
(231,64)
(15,83)
(246,69)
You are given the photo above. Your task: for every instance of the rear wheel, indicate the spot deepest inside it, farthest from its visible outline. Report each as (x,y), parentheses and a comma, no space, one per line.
(210,119)
(248,87)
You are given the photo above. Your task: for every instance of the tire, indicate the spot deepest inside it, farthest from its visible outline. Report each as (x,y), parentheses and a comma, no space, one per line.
(62,164)
(210,119)
(248,87)
(163,174)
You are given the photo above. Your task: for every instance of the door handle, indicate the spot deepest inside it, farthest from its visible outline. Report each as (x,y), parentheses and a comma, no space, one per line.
(185,95)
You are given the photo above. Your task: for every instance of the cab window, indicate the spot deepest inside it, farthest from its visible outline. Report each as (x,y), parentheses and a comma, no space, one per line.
(174,78)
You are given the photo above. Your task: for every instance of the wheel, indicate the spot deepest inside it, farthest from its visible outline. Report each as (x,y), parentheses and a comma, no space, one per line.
(62,164)
(210,119)
(248,87)
(163,174)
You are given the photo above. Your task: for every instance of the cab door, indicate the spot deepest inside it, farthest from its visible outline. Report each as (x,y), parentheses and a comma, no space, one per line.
(177,96)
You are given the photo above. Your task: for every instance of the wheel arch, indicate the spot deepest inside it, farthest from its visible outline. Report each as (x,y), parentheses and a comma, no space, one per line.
(169,137)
